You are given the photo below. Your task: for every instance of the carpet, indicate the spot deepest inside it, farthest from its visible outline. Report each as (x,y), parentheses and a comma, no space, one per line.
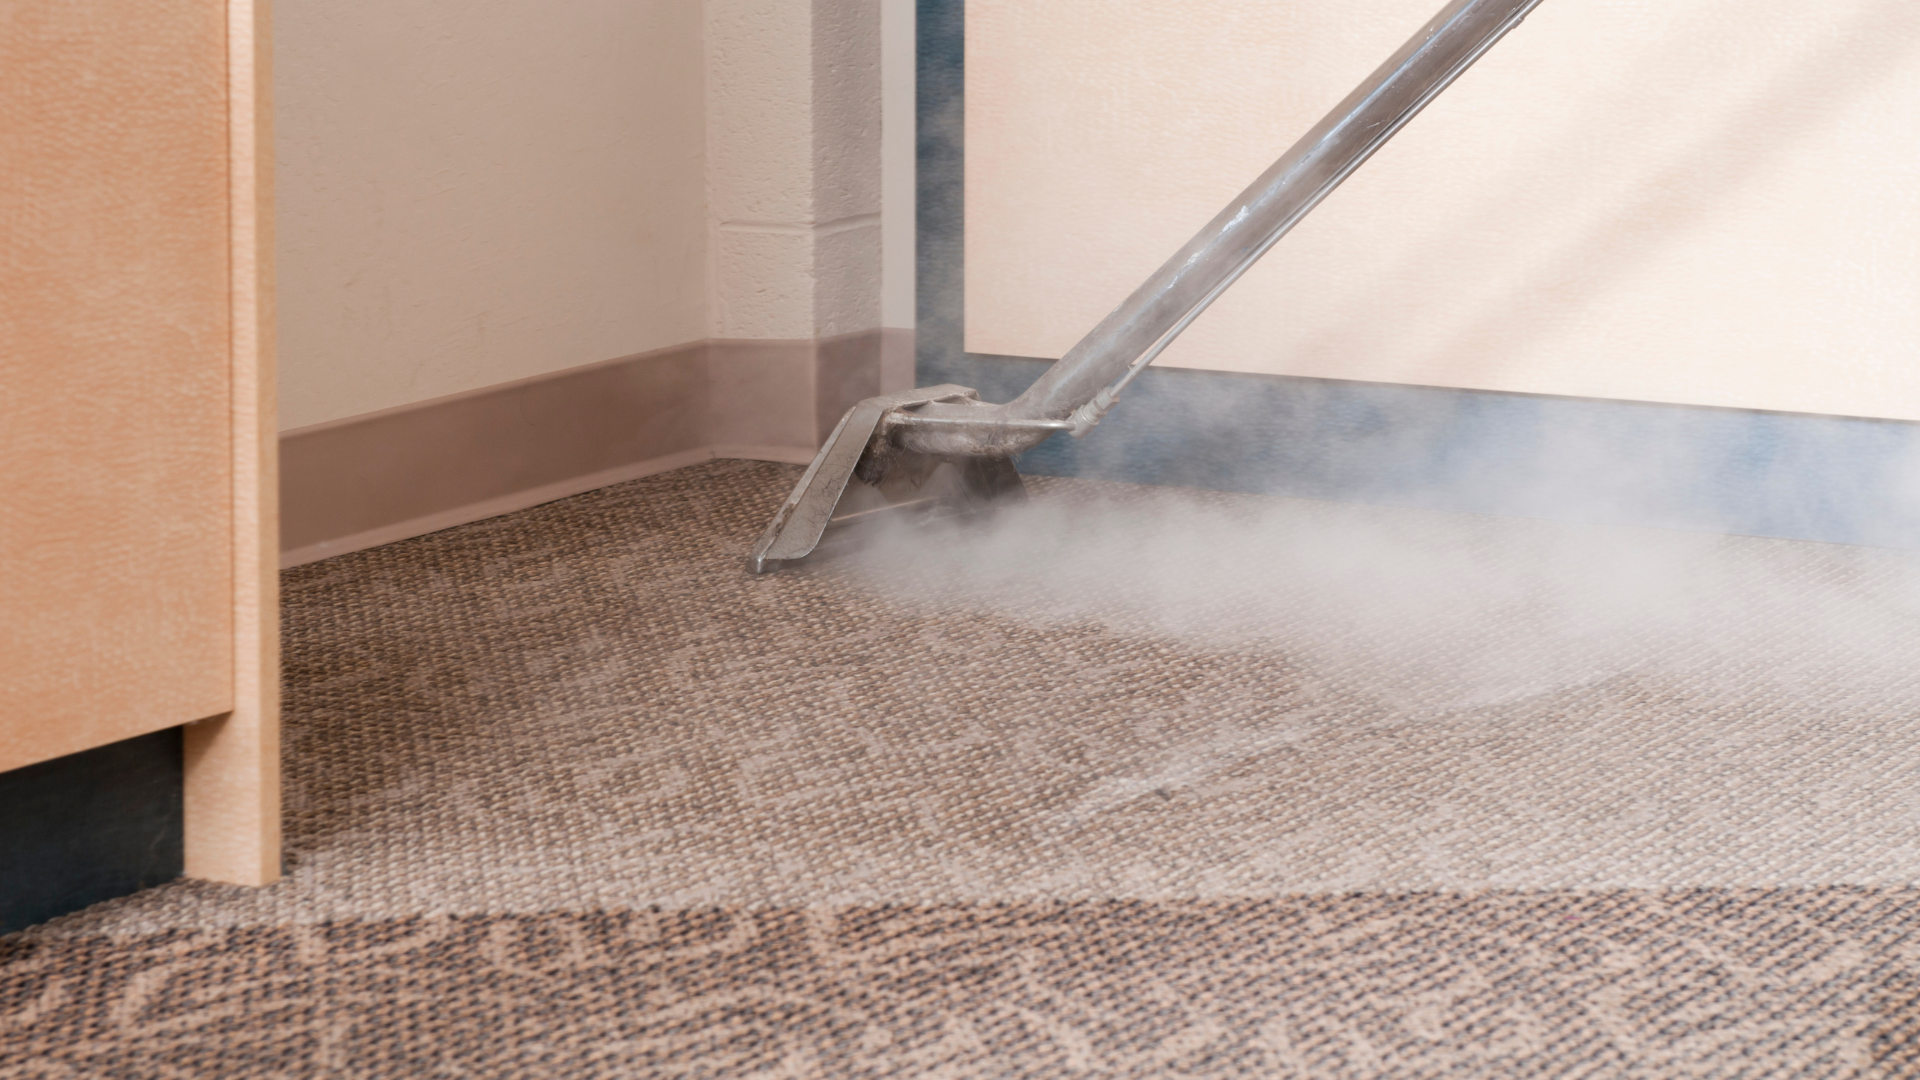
(1139,782)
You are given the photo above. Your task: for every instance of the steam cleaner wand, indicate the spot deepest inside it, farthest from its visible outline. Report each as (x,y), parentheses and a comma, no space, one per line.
(940,450)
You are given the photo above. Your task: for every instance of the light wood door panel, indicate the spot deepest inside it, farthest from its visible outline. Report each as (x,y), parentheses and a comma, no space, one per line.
(116,412)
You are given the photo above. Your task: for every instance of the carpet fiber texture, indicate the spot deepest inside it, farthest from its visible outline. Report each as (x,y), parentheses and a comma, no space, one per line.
(1135,782)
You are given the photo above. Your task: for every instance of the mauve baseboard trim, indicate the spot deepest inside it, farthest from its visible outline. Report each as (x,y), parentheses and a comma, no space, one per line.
(784,454)
(380,477)
(494,507)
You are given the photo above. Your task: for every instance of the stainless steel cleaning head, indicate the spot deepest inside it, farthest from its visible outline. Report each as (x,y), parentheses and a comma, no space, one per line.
(942,450)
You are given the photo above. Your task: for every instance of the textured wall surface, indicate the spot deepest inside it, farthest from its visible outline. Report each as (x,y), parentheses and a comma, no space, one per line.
(476,192)
(1708,202)
(793,166)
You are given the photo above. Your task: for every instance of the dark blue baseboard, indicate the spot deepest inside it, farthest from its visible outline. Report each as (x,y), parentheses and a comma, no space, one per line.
(1802,477)
(89,827)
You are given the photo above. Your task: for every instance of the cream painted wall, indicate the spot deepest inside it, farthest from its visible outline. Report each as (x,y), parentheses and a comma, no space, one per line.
(476,192)
(481,191)
(1703,201)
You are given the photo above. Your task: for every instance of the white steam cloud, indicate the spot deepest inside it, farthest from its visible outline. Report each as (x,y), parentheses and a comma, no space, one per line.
(1449,609)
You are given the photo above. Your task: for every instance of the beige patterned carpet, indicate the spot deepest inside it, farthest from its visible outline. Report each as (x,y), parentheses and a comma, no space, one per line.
(1135,783)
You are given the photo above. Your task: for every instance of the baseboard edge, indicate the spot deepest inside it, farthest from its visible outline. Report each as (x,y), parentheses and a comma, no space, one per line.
(494,507)
(789,455)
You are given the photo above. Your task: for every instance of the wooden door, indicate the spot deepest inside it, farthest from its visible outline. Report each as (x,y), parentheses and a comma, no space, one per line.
(135,441)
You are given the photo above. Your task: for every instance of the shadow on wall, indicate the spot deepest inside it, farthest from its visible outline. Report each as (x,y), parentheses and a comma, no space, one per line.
(1704,203)
(1744,141)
